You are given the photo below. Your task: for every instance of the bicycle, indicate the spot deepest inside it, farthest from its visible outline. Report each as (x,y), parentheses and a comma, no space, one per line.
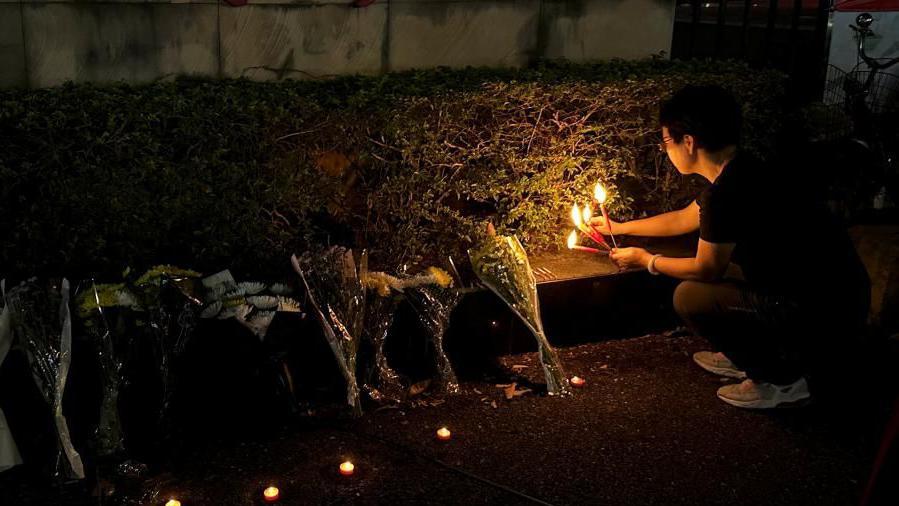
(864,122)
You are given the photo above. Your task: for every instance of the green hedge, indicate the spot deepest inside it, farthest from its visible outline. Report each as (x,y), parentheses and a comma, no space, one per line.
(238,174)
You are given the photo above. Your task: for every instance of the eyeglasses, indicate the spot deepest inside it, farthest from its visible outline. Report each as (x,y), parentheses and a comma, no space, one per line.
(663,146)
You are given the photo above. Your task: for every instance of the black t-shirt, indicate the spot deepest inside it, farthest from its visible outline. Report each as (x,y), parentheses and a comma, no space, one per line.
(787,242)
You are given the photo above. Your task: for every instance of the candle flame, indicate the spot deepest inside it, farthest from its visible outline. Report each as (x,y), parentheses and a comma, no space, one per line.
(347,467)
(599,193)
(576,215)
(588,213)
(270,492)
(173,502)
(572,239)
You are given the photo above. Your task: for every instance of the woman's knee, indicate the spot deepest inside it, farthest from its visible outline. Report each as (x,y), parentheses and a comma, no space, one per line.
(691,298)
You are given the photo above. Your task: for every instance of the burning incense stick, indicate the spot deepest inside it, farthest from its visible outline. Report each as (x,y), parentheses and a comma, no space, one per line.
(572,240)
(599,192)
(577,216)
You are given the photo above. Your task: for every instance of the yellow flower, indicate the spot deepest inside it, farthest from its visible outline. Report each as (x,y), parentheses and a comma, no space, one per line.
(107,295)
(441,277)
(378,282)
(171,271)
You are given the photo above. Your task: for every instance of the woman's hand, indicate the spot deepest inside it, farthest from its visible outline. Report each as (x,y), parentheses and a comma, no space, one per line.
(599,224)
(630,258)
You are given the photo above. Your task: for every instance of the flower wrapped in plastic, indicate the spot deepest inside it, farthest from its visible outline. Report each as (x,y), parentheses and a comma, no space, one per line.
(97,303)
(42,325)
(166,300)
(434,304)
(335,291)
(169,296)
(502,265)
(9,452)
(383,384)
(161,306)
(431,295)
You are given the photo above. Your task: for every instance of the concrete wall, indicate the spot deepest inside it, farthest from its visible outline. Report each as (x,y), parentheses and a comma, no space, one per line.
(45,43)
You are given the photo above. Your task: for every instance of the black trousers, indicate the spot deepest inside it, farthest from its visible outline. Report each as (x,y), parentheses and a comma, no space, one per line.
(775,339)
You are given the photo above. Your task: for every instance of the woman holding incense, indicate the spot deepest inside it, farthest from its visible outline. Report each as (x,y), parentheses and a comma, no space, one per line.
(802,295)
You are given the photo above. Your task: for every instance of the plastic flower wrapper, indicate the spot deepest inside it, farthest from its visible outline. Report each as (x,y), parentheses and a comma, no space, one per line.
(335,291)
(96,304)
(434,306)
(169,296)
(502,264)
(168,275)
(379,313)
(42,324)
(9,453)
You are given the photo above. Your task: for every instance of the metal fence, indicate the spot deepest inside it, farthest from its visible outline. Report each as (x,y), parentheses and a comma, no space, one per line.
(788,35)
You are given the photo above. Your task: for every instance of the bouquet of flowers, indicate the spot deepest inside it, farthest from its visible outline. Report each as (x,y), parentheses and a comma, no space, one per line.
(42,324)
(502,265)
(379,313)
(97,304)
(434,306)
(9,453)
(335,291)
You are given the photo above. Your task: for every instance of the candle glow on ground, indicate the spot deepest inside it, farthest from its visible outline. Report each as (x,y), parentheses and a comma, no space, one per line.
(271,494)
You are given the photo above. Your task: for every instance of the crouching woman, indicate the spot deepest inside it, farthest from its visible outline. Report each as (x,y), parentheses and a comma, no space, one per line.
(802,295)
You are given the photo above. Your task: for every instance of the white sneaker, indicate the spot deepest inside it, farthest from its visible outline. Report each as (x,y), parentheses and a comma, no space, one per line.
(718,364)
(750,394)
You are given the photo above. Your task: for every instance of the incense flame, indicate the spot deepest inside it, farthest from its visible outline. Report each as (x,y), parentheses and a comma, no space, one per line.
(599,193)
(572,239)
(576,215)
(588,213)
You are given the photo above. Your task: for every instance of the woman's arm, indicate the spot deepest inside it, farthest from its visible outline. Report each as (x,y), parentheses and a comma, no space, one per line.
(672,223)
(709,264)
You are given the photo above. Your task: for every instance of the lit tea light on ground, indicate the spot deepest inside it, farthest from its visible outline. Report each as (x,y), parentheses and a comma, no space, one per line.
(577,381)
(271,494)
(347,468)
(444,434)
(173,502)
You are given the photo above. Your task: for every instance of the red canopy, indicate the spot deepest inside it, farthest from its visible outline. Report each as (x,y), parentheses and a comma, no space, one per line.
(866,5)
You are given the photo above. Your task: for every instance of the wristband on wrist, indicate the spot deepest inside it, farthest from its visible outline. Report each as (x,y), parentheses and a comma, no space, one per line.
(651,265)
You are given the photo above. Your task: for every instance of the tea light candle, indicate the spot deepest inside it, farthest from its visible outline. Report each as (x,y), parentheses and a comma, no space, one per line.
(271,494)
(577,381)
(444,434)
(347,468)
(173,502)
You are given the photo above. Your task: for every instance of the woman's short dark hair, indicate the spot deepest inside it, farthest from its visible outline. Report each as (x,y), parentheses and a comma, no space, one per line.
(708,113)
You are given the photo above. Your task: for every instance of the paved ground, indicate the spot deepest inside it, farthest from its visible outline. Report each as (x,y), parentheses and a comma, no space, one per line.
(646,429)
